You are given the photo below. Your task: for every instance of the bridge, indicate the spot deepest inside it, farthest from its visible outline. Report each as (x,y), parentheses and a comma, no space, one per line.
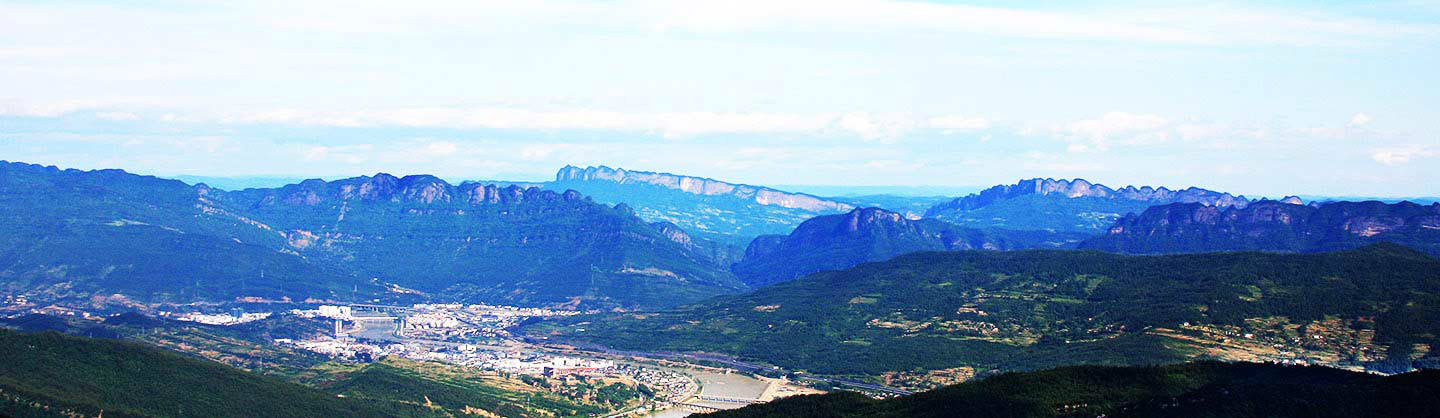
(379,309)
(698,408)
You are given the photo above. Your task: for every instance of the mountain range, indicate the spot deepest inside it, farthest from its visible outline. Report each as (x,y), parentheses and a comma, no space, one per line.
(73,234)
(1065,205)
(833,242)
(1271,225)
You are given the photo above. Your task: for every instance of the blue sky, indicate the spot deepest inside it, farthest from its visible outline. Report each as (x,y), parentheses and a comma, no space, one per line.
(1261,98)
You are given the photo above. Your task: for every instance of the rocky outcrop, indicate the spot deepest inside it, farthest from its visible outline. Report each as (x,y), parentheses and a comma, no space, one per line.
(1270,225)
(674,234)
(702,186)
(1082,188)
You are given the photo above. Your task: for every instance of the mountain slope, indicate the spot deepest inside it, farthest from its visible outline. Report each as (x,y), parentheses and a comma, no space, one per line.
(833,242)
(475,242)
(726,212)
(1272,226)
(52,375)
(1064,205)
(73,234)
(1204,389)
(1029,309)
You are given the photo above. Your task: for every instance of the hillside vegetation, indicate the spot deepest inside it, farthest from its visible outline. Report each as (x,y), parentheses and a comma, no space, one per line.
(53,375)
(1039,308)
(1205,389)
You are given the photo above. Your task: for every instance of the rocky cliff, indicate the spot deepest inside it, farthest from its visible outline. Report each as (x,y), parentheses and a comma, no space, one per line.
(702,186)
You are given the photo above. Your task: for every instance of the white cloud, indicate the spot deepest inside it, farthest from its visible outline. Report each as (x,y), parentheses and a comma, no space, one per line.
(556,152)
(1040,163)
(871,127)
(14,107)
(117,116)
(667,124)
(883,128)
(1131,129)
(1403,154)
(1360,119)
(1186,25)
(208,144)
(349,154)
(1098,134)
(950,124)
(441,149)
(1203,24)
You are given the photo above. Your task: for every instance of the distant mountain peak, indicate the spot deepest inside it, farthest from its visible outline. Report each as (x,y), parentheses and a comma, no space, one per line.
(1079,187)
(701,186)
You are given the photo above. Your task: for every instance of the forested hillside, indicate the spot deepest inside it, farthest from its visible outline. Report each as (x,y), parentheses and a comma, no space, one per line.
(1377,306)
(53,375)
(1205,389)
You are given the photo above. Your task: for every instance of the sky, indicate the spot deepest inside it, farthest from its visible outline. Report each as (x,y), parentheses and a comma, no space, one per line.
(1256,97)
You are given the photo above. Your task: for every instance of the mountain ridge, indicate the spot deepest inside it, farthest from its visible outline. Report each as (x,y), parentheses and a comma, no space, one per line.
(470,241)
(702,186)
(1063,205)
(832,242)
(1272,225)
(1082,188)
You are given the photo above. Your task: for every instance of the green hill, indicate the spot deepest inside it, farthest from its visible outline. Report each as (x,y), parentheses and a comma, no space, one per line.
(53,375)
(1377,307)
(1206,389)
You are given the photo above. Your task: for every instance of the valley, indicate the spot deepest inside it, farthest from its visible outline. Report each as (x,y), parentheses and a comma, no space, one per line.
(501,300)
(697,209)
(347,349)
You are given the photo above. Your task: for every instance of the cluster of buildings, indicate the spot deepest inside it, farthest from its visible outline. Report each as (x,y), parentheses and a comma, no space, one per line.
(216,319)
(15,300)
(343,348)
(343,313)
(668,385)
